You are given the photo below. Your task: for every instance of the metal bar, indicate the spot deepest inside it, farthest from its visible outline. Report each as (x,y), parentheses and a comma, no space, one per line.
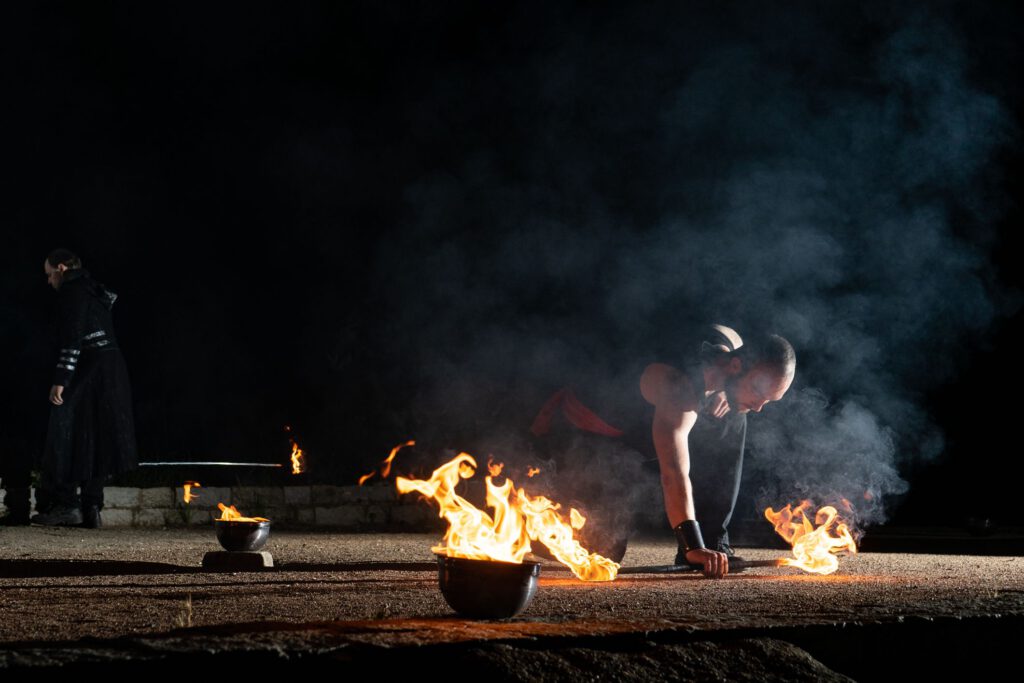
(735,564)
(211,464)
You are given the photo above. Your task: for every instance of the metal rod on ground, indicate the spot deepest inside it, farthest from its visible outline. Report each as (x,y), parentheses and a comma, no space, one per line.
(735,564)
(211,464)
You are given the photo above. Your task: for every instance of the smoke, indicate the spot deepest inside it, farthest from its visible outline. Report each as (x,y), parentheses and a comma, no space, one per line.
(824,175)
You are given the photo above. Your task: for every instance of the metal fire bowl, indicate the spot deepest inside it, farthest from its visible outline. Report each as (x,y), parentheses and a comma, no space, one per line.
(242,536)
(485,589)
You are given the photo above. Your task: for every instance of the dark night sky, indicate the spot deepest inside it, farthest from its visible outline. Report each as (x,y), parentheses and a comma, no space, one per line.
(377,221)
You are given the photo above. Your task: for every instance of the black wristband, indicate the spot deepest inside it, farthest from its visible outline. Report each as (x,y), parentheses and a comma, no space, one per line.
(688,535)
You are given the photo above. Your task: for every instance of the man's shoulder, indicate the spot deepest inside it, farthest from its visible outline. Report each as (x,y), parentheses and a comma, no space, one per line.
(664,385)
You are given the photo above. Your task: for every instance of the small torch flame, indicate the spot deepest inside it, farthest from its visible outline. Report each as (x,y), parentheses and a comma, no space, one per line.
(297,458)
(814,547)
(188,496)
(518,518)
(231,514)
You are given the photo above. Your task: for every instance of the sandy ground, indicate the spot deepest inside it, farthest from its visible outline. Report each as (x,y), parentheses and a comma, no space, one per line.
(67,584)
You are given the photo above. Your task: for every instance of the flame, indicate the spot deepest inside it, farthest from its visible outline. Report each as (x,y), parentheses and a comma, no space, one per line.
(813,547)
(386,470)
(576,520)
(518,518)
(231,514)
(494,469)
(386,464)
(188,496)
(298,457)
(531,471)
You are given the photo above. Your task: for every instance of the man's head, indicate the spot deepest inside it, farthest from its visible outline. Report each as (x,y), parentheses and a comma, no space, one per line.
(758,372)
(57,263)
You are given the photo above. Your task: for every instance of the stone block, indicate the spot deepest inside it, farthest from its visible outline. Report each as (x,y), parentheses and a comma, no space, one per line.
(377,515)
(116,517)
(341,515)
(210,496)
(121,497)
(325,495)
(413,516)
(305,516)
(382,493)
(298,495)
(226,561)
(149,517)
(256,496)
(162,497)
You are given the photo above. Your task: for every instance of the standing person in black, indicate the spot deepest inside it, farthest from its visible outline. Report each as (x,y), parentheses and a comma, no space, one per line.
(91,434)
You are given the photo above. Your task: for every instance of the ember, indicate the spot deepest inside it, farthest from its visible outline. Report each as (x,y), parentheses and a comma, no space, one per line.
(814,548)
(231,514)
(518,519)
(188,496)
(531,471)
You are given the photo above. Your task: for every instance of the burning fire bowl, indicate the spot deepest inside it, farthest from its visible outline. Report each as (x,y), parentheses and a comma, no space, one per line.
(242,536)
(485,589)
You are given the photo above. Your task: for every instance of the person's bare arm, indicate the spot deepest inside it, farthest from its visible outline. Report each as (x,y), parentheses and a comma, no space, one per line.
(674,416)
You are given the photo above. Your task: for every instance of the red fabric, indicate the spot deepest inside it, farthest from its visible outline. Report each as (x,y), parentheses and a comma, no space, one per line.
(575,412)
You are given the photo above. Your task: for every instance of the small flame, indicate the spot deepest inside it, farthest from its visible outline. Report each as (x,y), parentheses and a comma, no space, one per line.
(531,471)
(576,520)
(188,496)
(386,470)
(518,519)
(231,514)
(494,469)
(386,464)
(298,458)
(814,547)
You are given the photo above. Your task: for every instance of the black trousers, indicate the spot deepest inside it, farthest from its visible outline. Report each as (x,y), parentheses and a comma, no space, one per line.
(716,468)
(65,494)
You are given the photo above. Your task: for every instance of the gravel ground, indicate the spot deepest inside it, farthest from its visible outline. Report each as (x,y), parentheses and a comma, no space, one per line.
(68,584)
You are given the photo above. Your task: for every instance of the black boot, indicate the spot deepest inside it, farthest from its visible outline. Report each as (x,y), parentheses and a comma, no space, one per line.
(91,517)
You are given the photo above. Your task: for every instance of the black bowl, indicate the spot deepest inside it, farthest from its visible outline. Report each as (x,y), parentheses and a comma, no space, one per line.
(242,536)
(485,589)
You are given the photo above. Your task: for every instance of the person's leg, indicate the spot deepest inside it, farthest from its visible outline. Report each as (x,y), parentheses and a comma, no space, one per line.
(63,504)
(92,502)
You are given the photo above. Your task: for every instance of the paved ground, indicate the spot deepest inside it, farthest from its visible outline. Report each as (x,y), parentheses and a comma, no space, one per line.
(128,587)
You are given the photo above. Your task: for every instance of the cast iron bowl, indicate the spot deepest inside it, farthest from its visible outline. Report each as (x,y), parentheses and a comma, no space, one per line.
(486,589)
(242,536)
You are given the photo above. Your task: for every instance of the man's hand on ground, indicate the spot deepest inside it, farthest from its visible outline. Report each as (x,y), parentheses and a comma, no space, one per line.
(716,565)
(55,394)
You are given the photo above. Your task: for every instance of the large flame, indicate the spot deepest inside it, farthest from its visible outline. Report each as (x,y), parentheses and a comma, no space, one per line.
(231,514)
(814,547)
(517,520)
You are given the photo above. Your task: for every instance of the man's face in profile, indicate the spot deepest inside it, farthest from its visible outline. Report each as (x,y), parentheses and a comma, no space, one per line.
(752,390)
(54,276)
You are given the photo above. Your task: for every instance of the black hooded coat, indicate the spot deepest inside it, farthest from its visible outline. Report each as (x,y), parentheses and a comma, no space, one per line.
(92,434)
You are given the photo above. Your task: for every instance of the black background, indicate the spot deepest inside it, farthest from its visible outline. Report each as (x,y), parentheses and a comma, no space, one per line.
(249,180)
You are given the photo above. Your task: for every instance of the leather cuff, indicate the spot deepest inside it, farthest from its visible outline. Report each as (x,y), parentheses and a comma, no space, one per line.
(688,535)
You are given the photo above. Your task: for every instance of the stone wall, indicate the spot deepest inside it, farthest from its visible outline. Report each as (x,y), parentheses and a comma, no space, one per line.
(363,508)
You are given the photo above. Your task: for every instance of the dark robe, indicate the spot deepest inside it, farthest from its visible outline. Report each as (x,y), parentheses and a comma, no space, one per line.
(92,434)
